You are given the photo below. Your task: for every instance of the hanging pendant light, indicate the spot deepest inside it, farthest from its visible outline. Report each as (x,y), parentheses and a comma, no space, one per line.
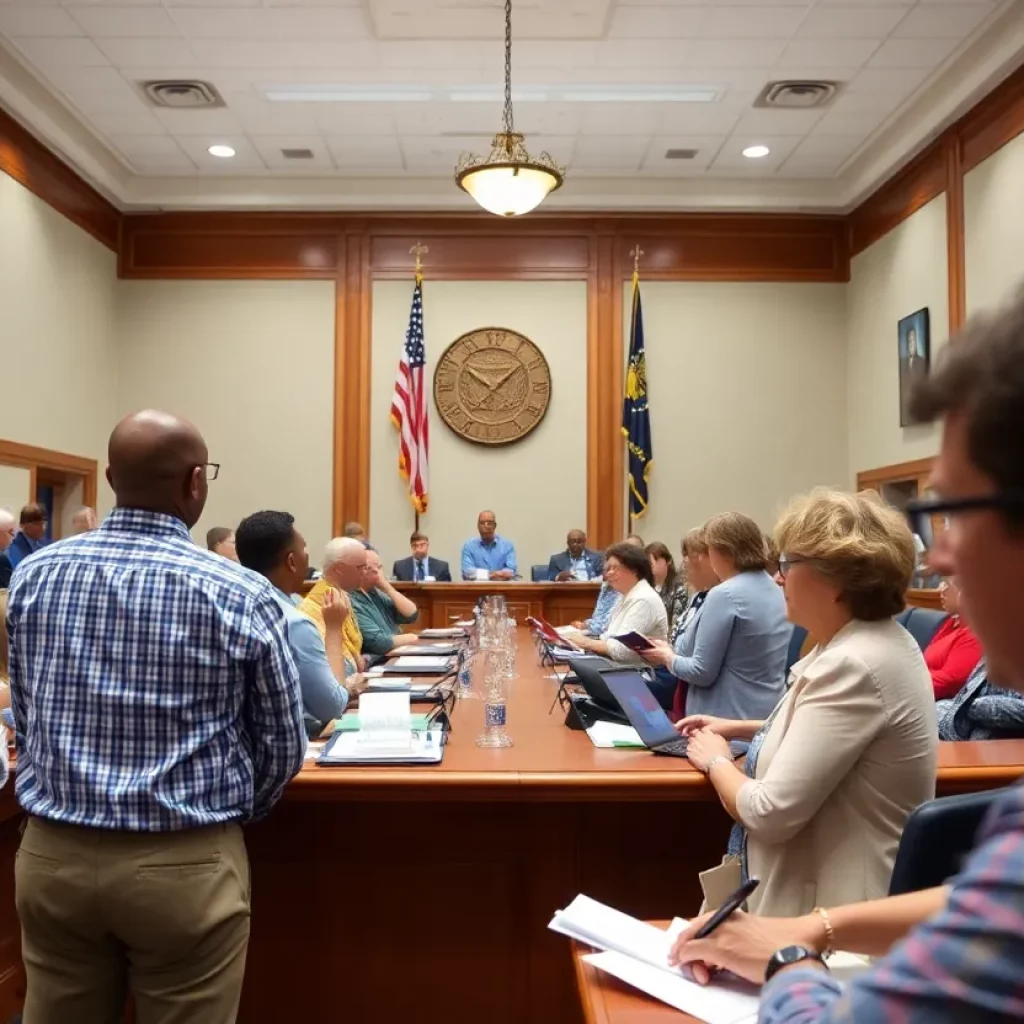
(508,181)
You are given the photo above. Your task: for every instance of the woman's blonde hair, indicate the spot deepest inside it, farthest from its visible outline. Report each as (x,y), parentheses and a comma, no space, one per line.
(694,542)
(859,544)
(738,537)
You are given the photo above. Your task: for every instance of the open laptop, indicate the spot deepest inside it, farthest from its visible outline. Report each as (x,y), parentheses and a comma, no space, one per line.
(645,714)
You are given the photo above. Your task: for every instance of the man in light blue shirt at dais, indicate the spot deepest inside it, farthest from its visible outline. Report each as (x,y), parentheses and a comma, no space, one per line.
(268,543)
(488,557)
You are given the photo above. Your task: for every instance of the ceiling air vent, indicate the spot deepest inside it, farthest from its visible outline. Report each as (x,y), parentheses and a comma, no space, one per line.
(297,154)
(680,154)
(183,95)
(796,95)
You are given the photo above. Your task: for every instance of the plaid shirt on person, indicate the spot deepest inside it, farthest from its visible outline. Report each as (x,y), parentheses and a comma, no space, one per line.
(964,965)
(152,682)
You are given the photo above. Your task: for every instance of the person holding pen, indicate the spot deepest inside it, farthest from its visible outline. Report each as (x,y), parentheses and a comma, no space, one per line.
(833,773)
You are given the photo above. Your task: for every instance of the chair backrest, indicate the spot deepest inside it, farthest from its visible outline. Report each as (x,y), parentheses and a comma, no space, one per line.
(937,838)
(796,643)
(921,623)
(538,573)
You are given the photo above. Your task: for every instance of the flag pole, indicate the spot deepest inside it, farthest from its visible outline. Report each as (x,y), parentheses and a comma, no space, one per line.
(418,251)
(636,252)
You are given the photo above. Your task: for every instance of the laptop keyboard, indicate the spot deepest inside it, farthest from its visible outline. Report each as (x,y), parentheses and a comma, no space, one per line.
(674,748)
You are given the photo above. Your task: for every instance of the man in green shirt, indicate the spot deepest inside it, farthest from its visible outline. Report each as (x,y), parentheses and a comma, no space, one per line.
(380,609)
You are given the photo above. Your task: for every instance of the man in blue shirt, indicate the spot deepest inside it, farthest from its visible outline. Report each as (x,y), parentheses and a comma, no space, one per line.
(268,543)
(488,553)
(32,535)
(157,708)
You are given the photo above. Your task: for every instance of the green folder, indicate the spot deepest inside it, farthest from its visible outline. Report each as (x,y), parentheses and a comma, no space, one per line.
(350,722)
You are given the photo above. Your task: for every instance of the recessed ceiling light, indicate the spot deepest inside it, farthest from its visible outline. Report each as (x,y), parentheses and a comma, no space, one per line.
(756,152)
(224,152)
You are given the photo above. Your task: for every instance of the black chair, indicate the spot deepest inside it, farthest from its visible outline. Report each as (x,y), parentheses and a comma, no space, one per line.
(796,642)
(921,623)
(539,573)
(937,839)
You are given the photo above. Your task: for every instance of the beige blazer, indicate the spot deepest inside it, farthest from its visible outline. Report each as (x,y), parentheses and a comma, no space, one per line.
(850,751)
(641,611)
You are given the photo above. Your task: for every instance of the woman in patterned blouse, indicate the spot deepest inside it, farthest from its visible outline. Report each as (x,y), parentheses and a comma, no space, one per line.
(670,584)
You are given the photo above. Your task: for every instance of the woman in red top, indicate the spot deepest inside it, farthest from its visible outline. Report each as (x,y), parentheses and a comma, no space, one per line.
(954,650)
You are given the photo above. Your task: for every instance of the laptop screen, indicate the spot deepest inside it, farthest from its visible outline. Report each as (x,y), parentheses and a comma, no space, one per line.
(643,711)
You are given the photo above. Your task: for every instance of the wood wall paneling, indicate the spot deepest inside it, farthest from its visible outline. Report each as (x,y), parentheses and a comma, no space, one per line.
(32,165)
(994,121)
(14,453)
(956,273)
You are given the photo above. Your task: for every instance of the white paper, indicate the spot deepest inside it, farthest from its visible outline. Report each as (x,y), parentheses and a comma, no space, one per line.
(719,1002)
(565,630)
(418,661)
(452,633)
(391,682)
(606,734)
(352,746)
(385,719)
(482,574)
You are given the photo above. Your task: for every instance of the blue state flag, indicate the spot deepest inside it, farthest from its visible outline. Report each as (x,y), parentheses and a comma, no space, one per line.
(636,420)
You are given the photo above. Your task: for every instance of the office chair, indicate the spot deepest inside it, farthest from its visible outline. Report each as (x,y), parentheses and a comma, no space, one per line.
(539,573)
(796,642)
(921,623)
(937,838)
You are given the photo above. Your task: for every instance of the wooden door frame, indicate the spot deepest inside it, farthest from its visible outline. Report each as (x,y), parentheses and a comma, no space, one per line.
(27,456)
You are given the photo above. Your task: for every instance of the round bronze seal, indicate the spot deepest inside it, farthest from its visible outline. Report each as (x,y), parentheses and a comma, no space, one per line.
(492,386)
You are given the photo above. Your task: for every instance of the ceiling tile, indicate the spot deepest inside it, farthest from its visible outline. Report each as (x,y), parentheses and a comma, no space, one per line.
(860,3)
(107,101)
(846,122)
(815,73)
(93,3)
(895,82)
(367,153)
(39,22)
(269,148)
(245,159)
(731,156)
(941,21)
(707,147)
(768,121)
(620,118)
(157,53)
(257,116)
(62,53)
(362,118)
(641,53)
(752,22)
(811,166)
(913,53)
(655,22)
(126,22)
(132,123)
(738,53)
(608,152)
(146,145)
(294,23)
(284,54)
(176,164)
(862,22)
(448,54)
(700,119)
(846,53)
(210,3)
(218,121)
(830,145)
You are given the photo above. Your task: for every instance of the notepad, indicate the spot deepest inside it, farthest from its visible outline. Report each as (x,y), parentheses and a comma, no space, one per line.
(351,722)
(613,734)
(423,662)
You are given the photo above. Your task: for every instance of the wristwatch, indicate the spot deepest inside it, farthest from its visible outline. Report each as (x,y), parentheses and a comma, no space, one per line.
(787,957)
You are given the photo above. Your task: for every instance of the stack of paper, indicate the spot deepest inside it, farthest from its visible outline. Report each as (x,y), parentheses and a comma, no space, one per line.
(454,633)
(423,663)
(637,953)
(386,733)
(612,734)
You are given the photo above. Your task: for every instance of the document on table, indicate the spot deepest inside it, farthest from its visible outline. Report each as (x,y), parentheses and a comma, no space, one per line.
(613,734)
(454,633)
(385,719)
(424,662)
(381,682)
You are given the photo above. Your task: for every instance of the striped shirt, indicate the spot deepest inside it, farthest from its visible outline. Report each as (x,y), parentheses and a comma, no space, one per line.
(151,681)
(966,964)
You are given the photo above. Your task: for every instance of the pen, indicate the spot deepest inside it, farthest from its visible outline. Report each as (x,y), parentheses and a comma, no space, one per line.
(733,903)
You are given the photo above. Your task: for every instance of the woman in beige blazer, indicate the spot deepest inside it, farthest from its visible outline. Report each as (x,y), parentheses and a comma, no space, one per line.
(850,751)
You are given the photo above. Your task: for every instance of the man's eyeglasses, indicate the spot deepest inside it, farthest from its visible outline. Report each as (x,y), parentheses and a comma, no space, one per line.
(923,513)
(212,470)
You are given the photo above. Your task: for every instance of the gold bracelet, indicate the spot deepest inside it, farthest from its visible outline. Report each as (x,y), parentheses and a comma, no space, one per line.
(830,935)
(711,764)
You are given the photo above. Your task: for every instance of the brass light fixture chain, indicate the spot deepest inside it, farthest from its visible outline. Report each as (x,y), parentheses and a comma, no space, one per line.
(509,123)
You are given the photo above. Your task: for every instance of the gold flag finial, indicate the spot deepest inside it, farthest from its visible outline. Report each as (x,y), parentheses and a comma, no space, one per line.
(636,252)
(419,250)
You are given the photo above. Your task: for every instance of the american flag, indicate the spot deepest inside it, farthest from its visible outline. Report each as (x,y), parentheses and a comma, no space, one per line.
(409,406)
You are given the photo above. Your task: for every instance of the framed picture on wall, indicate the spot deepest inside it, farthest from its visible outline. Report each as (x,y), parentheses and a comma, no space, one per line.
(915,351)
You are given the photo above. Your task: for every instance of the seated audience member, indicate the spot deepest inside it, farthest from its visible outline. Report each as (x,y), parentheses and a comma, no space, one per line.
(268,543)
(954,650)
(733,655)
(576,562)
(952,954)
(5,688)
(221,541)
(981,711)
(419,566)
(158,710)
(607,600)
(488,553)
(356,532)
(670,584)
(627,570)
(379,610)
(345,562)
(83,520)
(32,535)
(850,751)
(700,578)
(7,528)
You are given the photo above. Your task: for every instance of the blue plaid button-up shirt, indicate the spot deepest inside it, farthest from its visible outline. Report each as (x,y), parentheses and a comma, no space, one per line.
(151,681)
(962,966)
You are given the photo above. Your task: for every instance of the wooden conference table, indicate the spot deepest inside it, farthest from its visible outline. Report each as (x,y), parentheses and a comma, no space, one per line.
(424,893)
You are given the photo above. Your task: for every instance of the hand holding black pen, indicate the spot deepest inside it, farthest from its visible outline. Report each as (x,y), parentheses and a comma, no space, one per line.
(729,907)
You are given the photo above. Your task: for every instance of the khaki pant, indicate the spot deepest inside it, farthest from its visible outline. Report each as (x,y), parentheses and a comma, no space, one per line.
(162,915)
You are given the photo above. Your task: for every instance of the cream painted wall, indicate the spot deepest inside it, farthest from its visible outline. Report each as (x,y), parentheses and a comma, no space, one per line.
(58,309)
(252,363)
(538,486)
(994,227)
(900,273)
(747,398)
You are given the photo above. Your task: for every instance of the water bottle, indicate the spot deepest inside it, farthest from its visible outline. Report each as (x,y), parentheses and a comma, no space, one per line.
(464,680)
(496,684)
